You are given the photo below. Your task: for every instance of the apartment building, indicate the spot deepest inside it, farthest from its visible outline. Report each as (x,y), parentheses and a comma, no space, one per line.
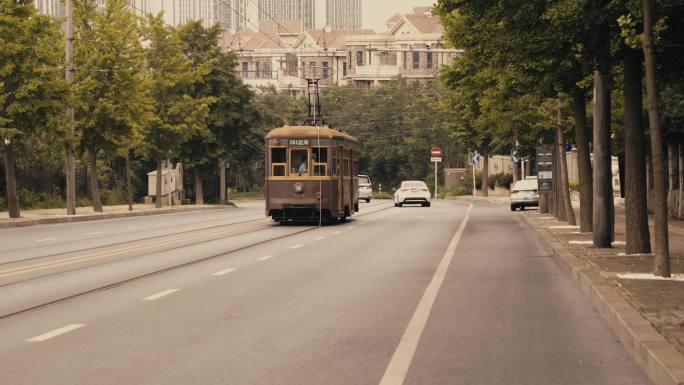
(282,54)
(286,10)
(231,14)
(343,14)
(412,47)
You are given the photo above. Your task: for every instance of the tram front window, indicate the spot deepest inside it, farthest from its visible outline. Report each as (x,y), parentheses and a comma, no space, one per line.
(320,161)
(278,162)
(299,161)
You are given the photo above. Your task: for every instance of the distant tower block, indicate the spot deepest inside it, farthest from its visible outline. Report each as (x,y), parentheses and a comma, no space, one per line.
(343,14)
(281,10)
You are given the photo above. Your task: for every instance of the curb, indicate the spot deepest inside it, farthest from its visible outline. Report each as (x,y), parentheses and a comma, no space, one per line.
(94,217)
(661,362)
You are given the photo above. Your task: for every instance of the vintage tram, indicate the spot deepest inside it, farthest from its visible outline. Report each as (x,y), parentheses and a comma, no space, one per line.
(311,174)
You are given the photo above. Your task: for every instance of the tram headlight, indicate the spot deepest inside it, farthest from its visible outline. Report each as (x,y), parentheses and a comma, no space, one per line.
(298,188)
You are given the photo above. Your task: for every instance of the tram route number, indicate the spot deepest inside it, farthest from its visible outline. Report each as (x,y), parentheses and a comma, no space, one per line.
(298,195)
(298,142)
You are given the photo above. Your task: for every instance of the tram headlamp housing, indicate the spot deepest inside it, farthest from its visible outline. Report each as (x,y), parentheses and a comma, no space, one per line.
(298,188)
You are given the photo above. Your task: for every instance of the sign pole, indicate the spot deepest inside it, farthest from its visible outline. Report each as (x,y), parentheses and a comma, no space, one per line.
(474,188)
(435,180)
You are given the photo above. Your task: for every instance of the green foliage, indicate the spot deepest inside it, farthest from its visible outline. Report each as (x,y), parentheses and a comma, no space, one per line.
(382,195)
(456,191)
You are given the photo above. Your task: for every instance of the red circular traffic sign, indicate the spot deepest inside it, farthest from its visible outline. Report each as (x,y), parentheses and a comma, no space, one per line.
(436,152)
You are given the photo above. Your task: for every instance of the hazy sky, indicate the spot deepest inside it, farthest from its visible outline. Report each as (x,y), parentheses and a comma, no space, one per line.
(374,13)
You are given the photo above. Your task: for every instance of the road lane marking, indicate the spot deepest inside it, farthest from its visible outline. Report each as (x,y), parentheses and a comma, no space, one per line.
(336,232)
(94,232)
(161,294)
(162,223)
(580,242)
(224,272)
(55,333)
(396,371)
(265,257)
(319,238)
(351,227)
(296,246)
(650,276)
(564,227)
(45,239)
(89,257)
(133,228)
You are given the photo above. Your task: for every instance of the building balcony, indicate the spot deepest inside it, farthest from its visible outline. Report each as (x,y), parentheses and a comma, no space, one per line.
(376,71)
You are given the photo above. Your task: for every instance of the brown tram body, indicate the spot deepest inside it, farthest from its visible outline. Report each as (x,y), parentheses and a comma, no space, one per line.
(311,168)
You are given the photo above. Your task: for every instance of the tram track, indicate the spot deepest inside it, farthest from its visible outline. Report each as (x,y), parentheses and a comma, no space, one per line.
(155,272)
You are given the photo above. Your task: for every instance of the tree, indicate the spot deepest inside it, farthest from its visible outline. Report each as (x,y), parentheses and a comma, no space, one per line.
(661,249)
(108,85)
(175,114)
(32,91)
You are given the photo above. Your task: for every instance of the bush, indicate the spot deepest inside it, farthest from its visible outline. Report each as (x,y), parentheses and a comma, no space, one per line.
(83,202)
(43,200)
(382,195)
(456,191)
(117,196)
(3,203)
(574,185)
(504,180)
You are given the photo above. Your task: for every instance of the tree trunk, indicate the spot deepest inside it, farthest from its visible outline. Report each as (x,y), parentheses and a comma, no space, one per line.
(199,188)
(484,189)
(129,184)
(673,160)
(222,181)
(661,249)
(94,186)
(603,175)
(158,185)
(636,211)
(11,182)
(70,173)
(582,138)
(681,179)
(565,189)
(621,173)
(557,206)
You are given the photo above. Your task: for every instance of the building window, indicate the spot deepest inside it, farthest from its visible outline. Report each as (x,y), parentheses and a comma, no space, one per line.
(359,58)
(325,70)
(344,68)
(370,56)
(429,60)
(349,58)
(245,70)
(404,59)
(258,70)
(416,60)
(312,68)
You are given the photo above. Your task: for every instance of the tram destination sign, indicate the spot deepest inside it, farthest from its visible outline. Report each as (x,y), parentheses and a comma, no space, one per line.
(298,142)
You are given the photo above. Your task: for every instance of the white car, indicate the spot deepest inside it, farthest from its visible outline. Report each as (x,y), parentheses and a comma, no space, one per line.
(412,192)
(365,188)
(524,193)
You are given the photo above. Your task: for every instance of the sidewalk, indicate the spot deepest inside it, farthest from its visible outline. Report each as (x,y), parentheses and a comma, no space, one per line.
(652,328)
(52,216)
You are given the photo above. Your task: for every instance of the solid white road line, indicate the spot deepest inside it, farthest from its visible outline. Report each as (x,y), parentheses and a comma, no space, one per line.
(319,238)
(350,227)
(224,272)
(265,257)
(674,277)
(45,239)
(296,246)
(564,227)
(160,294)
(55,333)
(94,232)
(133,228)
(581,242)
(396,371)
(163,223)
(336,232)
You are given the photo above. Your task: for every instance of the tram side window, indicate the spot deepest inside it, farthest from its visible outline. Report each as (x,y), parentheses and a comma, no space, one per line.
(299,162)
(346,168)
(320,161)
(278,162)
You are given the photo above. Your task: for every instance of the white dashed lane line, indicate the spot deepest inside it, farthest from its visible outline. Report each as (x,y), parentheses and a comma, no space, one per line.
(160,294)
(351,227)
(45,239)
(55,333)
(319,238)
(94,232)
(133,228)
(336,232)
(223,272)
(265,257)
(296,246)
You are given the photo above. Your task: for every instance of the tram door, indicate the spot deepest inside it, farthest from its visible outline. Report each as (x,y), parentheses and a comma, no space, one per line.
(340,179)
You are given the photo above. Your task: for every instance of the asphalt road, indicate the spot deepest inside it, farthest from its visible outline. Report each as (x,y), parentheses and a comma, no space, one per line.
(450,294)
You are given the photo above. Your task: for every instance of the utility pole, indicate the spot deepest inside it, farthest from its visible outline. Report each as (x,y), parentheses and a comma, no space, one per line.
(70,163)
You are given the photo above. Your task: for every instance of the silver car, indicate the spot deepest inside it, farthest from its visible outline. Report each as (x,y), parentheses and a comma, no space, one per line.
(365,188)
(524,193)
